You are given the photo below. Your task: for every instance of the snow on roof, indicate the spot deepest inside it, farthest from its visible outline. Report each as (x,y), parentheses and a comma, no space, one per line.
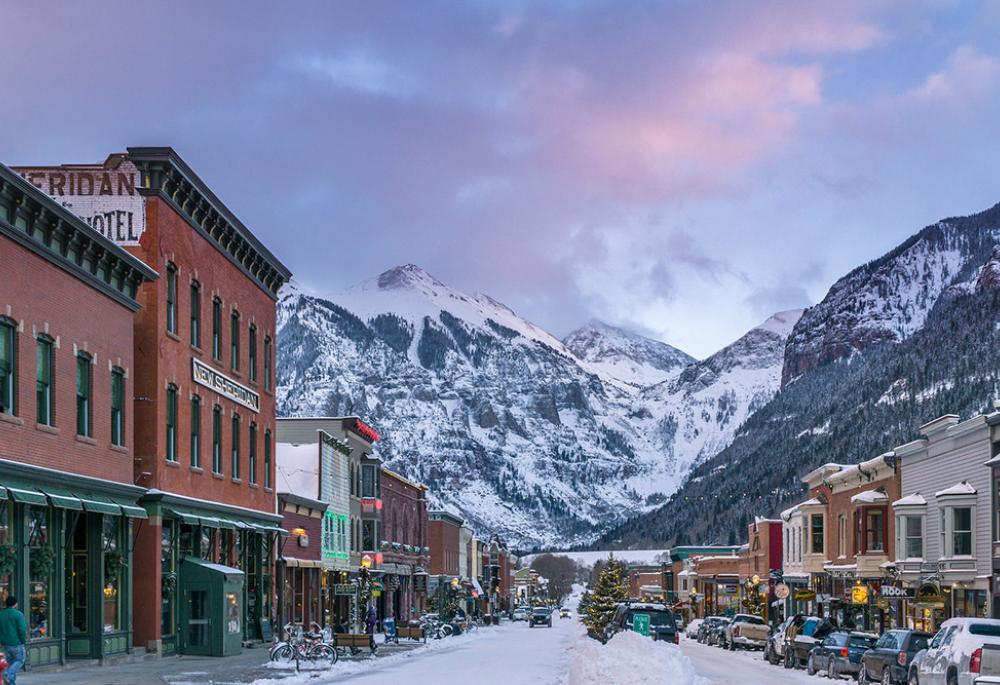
(297,468)
(787,513)
(992,462)
(870,497)
(962,488)
(914,500)
(810,502)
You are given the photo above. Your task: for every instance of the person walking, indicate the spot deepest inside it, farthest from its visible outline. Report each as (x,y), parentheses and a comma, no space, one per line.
(370,620)
(13,637)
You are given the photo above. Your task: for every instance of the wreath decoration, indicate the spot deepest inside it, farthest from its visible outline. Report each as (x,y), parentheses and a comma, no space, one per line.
(8,559)
(169,583)
(42,561)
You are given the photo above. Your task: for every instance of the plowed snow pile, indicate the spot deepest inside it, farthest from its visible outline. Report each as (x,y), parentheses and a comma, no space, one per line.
(630,659)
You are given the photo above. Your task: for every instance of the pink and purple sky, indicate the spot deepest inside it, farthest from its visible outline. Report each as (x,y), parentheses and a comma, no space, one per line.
(682,169)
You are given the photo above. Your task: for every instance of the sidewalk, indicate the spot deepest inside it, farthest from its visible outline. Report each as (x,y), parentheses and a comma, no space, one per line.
(186,670)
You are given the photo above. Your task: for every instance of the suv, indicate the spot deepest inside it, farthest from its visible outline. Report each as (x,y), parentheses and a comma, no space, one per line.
(661,621)
(520,614)
(839,653)
(892,654)
(540,616)
(955,654)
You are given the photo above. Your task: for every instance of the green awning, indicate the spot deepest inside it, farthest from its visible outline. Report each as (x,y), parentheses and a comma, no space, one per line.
(25,494)
(225,523)
(271,529)
(185,517)
(3,492)
(97,504)
(130,509)
(63,498)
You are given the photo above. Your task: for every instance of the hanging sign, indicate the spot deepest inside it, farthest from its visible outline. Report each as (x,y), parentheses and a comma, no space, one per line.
(805,595)
(929,594)
(781,591)
(859,594)
(344,589)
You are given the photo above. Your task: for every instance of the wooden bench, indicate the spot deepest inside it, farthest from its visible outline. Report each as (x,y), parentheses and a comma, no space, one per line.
(412,633)
(355,642)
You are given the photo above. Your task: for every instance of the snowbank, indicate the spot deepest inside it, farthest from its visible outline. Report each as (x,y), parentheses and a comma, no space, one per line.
(630,659)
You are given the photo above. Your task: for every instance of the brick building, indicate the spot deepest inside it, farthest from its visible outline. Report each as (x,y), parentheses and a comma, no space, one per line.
(302,595)
(443,534)
(203,392)
(67,503)
(404,546)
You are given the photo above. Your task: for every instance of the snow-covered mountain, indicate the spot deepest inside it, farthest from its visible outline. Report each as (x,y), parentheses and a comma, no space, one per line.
(624,355)
(549,443)
(889,298)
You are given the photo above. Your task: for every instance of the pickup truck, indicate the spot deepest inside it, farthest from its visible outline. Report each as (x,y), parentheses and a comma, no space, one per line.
(745,631)
(989,666)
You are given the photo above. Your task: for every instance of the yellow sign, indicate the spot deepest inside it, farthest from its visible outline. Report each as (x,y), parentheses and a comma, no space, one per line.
(883,604)
(859,594)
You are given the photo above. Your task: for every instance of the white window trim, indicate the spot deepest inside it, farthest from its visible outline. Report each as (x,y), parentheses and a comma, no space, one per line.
(948,506)
(901,515)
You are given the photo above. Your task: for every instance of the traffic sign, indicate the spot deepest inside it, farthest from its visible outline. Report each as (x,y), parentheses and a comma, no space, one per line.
(640,624)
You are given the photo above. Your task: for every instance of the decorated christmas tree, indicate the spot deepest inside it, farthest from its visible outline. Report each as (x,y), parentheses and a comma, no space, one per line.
(610,590)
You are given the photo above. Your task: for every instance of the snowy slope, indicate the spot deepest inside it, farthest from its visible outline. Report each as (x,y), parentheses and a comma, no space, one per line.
(502,420)
(623,355)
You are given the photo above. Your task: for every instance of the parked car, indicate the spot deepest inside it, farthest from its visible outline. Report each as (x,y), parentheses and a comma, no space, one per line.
(840,653)
(774,650)
(706,627)
(955,653)
(520,614)
(540,616)
(714,635)
(662,625)
(746,631)
(801,638)
(693,628)
(893,653)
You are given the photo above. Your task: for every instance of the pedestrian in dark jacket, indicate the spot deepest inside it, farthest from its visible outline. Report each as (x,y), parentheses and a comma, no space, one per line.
(13,637)
(371,618)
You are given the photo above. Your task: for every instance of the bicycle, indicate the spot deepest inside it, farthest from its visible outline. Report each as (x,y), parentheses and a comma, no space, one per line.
(305,646)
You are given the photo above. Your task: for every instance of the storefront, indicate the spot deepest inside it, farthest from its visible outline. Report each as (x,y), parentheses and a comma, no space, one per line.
(65,553)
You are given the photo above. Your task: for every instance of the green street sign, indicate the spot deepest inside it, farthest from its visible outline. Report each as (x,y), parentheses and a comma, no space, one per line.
(640,624)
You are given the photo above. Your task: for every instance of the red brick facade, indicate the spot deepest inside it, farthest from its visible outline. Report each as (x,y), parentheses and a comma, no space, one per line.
(443,538)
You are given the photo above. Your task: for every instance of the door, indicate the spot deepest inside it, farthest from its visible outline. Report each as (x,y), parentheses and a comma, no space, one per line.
(195,634)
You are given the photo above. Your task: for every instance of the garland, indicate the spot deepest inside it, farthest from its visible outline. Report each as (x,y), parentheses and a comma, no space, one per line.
(169,583)
(42,560)
(8,559)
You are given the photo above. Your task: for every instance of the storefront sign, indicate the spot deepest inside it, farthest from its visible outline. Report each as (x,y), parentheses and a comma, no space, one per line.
(859,594)
(929,594)
(344,589)
(890,592)
(104,197)
(377,585)
(729,588)
(781,591)
(224,385)
(805,596)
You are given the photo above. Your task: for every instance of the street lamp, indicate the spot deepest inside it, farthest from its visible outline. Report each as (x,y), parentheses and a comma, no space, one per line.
(366,561)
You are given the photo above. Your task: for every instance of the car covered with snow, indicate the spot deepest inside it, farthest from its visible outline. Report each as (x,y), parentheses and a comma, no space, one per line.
(955,653)
(801,636)
(692,628)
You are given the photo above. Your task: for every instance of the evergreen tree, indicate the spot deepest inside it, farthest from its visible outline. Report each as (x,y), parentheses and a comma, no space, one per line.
(610,590)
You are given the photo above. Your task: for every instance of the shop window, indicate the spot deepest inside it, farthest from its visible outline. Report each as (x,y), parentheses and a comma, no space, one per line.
(216,328)
(196,431)
(168,578)
(196,313)
(235,451)
(252,352)
(77,580)
(171,422)
(84,391)
(8,366)
(206,549)
(253,453)
(267,459)
(117,406)
(234,340)
(114,572)
(875,530)
(40,566)
(217,439)
(43,380)
(816,534)
(6,538)
(171,298)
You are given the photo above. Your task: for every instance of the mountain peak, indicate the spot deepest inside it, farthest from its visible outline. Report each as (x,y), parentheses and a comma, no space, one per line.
(625,355)
(783,322)
(407,276)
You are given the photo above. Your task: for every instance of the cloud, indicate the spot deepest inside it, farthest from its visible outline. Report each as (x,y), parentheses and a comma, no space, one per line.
(356,70)
(968,74)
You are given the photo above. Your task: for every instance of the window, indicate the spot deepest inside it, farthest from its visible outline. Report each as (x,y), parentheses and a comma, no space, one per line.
(267,459)
(40,575)
(842,535)
(171,422)
(368,481)
(267,363)
(234,340)
(196,313)
(8,366)
(216,328)
(961,533)
(171,298)
(368,535)
(43,380)
(196,431)
(235,462)
(253,452)
(83,395)
(252,351)
(217,439)
(816,531)
(117,406)
(874,530)
(913,537)
(111,543)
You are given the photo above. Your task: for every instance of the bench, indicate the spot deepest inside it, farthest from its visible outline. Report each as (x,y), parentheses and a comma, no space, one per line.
(355,642)
(412,633)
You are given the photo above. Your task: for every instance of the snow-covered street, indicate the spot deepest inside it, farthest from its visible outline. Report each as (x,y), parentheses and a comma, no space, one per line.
(722,667)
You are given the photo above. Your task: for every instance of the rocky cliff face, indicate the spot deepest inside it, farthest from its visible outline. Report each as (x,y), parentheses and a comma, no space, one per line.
(546,442)
(888,299)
